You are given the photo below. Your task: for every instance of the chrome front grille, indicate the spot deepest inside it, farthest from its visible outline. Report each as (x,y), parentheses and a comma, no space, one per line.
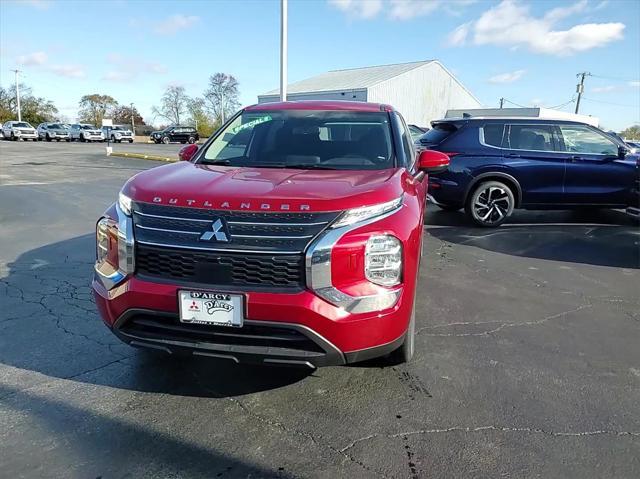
(251,232)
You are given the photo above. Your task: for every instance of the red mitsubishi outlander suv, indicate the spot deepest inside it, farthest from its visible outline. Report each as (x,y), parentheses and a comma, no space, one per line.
(292,236)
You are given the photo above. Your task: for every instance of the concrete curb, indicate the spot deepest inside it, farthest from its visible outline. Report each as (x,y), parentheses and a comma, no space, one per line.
(142,156)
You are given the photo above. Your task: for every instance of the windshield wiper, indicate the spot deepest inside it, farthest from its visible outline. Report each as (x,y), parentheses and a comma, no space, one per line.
(297,166)
(216,162)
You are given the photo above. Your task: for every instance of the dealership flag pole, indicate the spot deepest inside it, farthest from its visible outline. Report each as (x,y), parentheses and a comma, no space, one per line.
(283,50)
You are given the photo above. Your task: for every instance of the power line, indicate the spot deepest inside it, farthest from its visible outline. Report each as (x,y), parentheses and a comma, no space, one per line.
(610,103)
(615,78)
(514,103)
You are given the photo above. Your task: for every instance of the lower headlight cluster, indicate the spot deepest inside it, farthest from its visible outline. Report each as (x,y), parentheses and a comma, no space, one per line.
(107,242)
(383,260)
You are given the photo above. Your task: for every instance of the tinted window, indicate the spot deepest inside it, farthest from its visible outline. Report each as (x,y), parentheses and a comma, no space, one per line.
(438,133)
(531,137)
(585,140)
(340,140)
(493,134)
(405,136)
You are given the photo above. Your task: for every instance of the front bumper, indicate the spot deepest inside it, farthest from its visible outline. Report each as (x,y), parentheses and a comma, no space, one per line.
(26,136)
(295,329)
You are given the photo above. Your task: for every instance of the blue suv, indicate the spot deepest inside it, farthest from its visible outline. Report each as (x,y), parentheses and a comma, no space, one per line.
(498,164)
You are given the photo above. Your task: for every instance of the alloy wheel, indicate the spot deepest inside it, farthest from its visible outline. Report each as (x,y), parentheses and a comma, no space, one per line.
(492,205)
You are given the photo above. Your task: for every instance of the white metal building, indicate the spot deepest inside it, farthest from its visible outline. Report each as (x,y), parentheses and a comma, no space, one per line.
(421,91)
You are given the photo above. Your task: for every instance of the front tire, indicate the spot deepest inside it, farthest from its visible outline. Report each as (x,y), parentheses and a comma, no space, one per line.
(191,140)
(490,204)
(404,353)
(166,140)
(130,141)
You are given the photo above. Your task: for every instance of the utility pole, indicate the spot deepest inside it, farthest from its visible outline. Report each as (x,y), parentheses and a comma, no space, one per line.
(501,103)
(16,71)
(580,88)
(283,49)
(133,125)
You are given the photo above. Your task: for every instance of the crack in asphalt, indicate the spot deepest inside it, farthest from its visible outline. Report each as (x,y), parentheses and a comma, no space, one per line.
(528,430)
(321,442)
(502,325)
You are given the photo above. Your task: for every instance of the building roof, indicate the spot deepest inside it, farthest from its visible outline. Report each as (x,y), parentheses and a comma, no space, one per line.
(350,79)
(321,105)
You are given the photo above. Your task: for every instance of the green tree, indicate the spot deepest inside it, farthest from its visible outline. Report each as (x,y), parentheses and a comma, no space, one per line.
(199,118)
(95,107)
(173,105)
(33,109)
(631,133)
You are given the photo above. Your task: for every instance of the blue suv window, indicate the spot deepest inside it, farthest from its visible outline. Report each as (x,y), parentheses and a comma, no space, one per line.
(492,134)
(531,137)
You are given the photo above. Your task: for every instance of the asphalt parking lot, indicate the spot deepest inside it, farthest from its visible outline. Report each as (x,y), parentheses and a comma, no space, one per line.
(527,362)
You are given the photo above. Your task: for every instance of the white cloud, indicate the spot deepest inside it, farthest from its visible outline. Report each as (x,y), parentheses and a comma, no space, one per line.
(68,71)
(397,9)
(175,23)
(363,9)
(459,36)
(407,9)
(634,84)
(509,77)
(127,68)
(510,24)
(32,59)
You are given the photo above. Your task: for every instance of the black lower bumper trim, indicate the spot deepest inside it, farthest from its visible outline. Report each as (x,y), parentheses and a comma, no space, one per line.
(262,342)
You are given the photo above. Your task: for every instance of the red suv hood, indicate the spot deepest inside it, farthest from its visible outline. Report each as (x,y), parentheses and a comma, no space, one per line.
(264,189)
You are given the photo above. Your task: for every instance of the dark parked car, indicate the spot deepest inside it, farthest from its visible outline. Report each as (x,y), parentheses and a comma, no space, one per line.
(498,164)
(181,134)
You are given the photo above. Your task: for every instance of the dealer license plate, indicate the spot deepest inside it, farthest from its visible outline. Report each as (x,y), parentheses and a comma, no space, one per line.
(204,307)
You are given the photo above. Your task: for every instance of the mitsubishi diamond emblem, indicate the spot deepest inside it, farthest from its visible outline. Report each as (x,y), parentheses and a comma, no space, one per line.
(217,232)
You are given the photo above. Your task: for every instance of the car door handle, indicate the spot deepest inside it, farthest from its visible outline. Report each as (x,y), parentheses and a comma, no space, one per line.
(575,158)
(513,155)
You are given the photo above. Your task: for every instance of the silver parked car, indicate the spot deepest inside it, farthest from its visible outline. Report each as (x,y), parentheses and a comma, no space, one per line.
(53,131)
(85,132)
(16,130)
(117,133)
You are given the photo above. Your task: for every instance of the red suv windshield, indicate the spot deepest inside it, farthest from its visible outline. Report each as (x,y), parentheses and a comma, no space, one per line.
(305,139)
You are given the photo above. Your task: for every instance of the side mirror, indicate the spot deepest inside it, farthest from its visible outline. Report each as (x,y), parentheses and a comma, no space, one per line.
(187,152)
(623,151)
(430,161)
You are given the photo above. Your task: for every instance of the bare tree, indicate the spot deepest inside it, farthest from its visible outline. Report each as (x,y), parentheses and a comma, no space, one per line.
(173,105)
(222,96)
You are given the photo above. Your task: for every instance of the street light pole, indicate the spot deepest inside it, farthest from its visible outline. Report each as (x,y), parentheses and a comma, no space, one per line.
(16,71)
(133,125)
(283,49)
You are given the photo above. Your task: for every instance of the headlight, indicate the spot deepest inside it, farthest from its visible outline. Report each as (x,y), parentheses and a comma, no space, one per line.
(124,202)
(383,260)
(107,242)
(17,132)
(356,215)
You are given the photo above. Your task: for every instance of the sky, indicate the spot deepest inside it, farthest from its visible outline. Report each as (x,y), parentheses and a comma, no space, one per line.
(528,52)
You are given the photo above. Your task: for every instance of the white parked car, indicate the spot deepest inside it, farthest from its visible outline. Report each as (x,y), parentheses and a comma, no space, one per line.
(117,133)
(53,131)
(85,132)
(16,130)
